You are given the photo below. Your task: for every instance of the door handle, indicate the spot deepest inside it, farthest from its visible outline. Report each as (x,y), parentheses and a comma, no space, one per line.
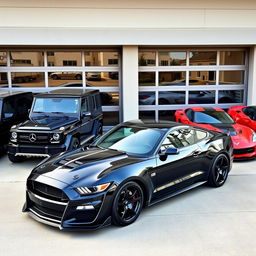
(197,153)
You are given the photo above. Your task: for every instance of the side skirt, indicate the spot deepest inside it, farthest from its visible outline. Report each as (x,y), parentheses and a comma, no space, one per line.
(176,193)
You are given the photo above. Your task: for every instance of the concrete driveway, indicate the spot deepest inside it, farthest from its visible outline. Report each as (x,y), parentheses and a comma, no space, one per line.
(201,222)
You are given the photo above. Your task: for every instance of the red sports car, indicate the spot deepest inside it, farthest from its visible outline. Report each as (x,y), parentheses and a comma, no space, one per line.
(216,119)
(245,115)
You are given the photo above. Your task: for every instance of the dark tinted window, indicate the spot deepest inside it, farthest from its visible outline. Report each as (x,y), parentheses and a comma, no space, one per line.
(212,117)
(251,112)
(24,104)
(190,114)
(8,108)
(98,100)
(84,106)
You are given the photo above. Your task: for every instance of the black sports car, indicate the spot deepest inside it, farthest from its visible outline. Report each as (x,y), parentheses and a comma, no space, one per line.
(136,164)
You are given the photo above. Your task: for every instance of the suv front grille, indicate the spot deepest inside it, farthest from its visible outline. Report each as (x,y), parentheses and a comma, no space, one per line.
(47,191)
(40,138)
(242,151)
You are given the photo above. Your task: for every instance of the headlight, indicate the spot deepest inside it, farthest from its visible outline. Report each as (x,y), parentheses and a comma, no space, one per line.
(254,137)
(56,136)
(92,190)
(14,135)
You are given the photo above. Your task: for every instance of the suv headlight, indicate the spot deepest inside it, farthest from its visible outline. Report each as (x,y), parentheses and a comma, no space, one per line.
(55,138)
(254,137)
(92,190)
(14,136)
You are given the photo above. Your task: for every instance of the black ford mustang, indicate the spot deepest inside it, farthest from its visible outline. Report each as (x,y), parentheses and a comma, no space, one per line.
(135,164)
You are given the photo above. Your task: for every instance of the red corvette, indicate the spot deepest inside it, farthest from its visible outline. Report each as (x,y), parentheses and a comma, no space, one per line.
(216,119)
(245,115)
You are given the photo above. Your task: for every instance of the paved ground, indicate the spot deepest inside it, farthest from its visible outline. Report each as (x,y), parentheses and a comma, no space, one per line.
(202,222)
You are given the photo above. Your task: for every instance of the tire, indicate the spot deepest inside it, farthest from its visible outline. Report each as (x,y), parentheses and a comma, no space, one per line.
(219,171)
(74,144)
(16,159)
(78,77)
(127,204)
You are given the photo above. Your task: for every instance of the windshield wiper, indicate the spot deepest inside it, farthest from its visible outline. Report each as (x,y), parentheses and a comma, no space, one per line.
(40,112)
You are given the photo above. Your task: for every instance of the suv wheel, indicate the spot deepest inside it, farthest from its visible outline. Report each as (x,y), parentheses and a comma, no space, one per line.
(74,144)
(16,159)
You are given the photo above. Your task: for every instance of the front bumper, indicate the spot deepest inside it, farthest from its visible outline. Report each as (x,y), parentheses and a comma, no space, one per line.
(35,150)
(65,215)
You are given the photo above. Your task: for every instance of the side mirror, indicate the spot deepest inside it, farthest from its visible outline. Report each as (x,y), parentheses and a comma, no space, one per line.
(86,114)
(8,115)
(171,151)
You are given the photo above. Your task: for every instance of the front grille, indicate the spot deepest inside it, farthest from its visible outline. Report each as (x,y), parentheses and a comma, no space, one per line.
(41,138)
(47,191)
(242,151)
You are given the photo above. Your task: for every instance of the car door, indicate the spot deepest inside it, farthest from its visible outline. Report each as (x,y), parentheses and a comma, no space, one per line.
(86,118)
(174,172)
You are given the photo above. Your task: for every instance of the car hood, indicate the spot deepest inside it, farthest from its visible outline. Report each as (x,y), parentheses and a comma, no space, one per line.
(86,167)
(46,123)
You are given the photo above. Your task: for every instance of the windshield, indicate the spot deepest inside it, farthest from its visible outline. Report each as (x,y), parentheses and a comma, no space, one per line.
(251,112)
(212,117)
(132,140)
(56,105)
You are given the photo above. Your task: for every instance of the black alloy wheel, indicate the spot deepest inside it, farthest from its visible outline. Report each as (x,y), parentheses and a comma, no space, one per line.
(127,204)
(219,171)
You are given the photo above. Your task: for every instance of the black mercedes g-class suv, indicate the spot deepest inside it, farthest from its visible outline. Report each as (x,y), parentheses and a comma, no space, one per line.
(59,120)
(14,108)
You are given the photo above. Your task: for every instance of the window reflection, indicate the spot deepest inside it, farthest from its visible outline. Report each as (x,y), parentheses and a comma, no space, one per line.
(60,59)
(101,58)
(3,59)
(202,77)
(201,97)
(65,79)
(102,79)
(202,58)
(172,78)
(171,98)
(147,98)
(27,79)
(172,58)
(232,58)
(231,96)
(147,58)
(26,59)
(231,77)
(147,78)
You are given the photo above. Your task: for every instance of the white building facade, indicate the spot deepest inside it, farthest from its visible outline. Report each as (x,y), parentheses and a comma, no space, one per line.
(148,57)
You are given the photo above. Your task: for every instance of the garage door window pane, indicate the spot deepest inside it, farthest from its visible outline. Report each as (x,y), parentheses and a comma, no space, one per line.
(202,58)
(232,58)
(110,118)
(201,97)
(109,98)
(64,58)
(202,77)
(231,77)
(167,115)
(172,58)
(26,59)
(3,80)
(101,58)
(146,115)
(65,79)
(27,79)
(171,98)
(172,78)
(147,79)
(102,79)
(231,96)
(147,98)
(3,59)
(147,58)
